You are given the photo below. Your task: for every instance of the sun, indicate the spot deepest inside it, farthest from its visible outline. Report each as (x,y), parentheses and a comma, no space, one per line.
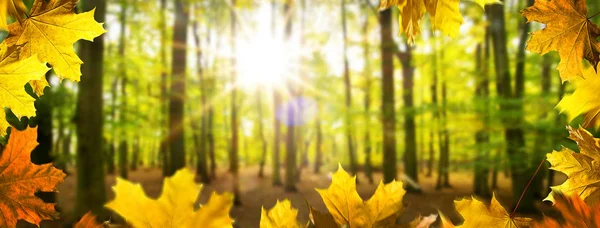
(262,62)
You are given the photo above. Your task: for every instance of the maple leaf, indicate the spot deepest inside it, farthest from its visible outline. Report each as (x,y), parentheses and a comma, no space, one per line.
(175,206)
(568,31)
(50,32)
(575,213)
(445,15)
(20,180)
(282,215)
(476,214)
(423,222)
(585,99)
(581,168)
(89,221)
(482,3)
(347,208)
(15,8)
(14,75)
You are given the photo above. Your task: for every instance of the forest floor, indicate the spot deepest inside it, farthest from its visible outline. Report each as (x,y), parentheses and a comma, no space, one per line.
(258,192)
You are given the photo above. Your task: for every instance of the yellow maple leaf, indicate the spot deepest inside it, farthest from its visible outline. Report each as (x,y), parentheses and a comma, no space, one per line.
(445,15)
(567,31)
(574,211)
(482,3)
(20,180)
(15,8)
(175,206)
(50,32)
(581,168)
(347,208)
(14,74)
(476,214)
(282,215)
(585,99)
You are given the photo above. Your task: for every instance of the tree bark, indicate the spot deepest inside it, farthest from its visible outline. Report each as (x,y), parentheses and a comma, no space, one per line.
(123,144)
(290,112)
(410,141)
(514,135)
(348,93)
(201,162)
(367,101)
(163,147)
(90,194)
(261,134)
(234,112)
(177,88)
(388,119)
(482,136)
(276,122)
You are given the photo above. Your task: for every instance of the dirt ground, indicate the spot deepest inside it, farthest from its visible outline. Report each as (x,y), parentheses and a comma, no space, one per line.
(257,192)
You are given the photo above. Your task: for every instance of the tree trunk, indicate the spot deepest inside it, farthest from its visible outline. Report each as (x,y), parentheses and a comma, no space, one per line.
(388,119)
(163,147)
(276,106)
(261,134)
(112,148)
(367,101)
(434,104)
(541,146)
(91,193)
(177,89)
(558,121)
(482,136)
(410,141)
(319,143)
(290,110)
(201,162)
(348,93)
(234,112)
(123,144)
(514,135)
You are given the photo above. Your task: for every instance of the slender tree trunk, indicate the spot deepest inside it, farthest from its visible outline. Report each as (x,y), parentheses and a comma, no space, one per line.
(163,147)
(388,119)
(276,122)
(112,150)
(541,146)
(558,121)
(514,136)
(201,162)
(482,136)
(319,143)
(291,110)
(234,111)
(211,87)
(261,134)
(367,101)
(434,104)
(135,156)
(123,144)
(91,193)
(177,88)
(410,141)
(348,92)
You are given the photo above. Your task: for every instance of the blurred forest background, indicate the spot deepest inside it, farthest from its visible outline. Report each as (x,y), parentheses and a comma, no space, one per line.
(264,98)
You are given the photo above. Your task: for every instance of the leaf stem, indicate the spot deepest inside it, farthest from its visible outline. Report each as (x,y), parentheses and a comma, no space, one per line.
(526,187)
(593,15)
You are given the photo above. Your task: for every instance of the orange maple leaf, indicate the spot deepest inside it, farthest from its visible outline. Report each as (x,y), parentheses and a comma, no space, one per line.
(575,213)
(89,221)
(20,180)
